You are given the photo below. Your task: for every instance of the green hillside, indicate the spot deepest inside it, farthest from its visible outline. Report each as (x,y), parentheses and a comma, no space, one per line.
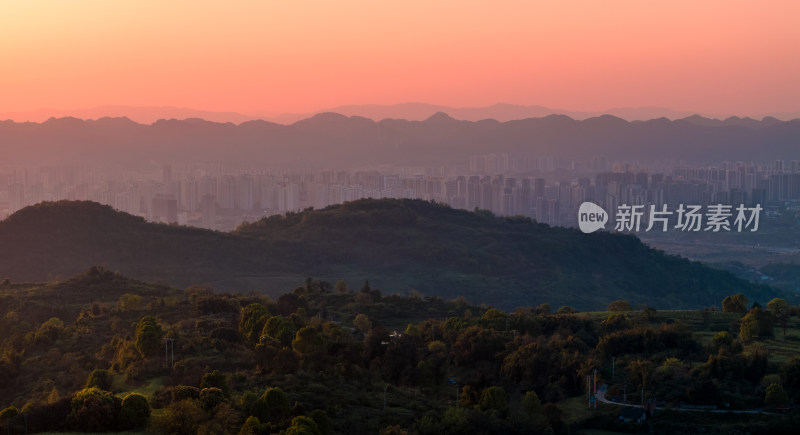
(88,354)
(399,245)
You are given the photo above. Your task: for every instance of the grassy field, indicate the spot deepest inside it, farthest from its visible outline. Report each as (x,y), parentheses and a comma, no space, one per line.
(146,389)
(780,347)
(576,409)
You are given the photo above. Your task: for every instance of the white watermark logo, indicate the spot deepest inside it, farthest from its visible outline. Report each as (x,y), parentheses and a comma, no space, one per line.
(634,218)
(591,217)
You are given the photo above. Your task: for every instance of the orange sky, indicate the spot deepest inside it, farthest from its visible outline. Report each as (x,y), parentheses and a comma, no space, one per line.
(262,56)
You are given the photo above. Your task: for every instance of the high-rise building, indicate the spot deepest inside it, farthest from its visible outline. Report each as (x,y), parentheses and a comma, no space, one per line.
(208,205)
(165,208)
(16,197)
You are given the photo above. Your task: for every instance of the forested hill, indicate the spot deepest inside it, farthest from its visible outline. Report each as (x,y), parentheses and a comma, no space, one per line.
(398,245)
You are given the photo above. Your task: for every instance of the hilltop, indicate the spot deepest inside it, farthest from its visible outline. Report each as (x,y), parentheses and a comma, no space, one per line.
(399,245)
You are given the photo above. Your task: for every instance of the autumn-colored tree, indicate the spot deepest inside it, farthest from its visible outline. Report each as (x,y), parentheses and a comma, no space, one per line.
(735,304)
(779,309)
(757,323)
(362,323)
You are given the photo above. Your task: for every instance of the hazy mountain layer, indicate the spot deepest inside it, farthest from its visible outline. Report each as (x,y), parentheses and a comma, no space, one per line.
(331,140)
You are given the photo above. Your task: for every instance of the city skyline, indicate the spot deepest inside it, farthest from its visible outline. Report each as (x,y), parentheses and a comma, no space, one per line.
(543,188)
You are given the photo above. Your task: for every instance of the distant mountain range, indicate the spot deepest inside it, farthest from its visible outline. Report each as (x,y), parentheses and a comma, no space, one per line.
(335,140)
(409,111)
(398,245)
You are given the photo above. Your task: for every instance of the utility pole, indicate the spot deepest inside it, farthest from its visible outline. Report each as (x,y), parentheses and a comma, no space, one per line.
(625,393)
(588,388)
(169,345)
(453,381)
(595,388)
(613,358)
(384,396)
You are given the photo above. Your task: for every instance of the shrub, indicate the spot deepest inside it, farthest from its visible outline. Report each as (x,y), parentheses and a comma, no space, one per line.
(134,412)
(99,378)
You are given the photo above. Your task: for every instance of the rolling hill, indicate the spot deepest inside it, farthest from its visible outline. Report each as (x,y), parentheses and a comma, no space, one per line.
(398,245)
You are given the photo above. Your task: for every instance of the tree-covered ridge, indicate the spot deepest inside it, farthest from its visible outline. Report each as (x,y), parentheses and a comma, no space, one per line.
(401,244)
(325,358)
(528,262)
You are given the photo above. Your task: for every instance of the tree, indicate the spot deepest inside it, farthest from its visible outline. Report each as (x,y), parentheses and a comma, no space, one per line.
(341,288)
(134,411)
(224,421)
(183,392)
(620,305)
(543,308)
(531,403)
(308,340)
(277,403)
(302,425)
(99,378)
(494,398)
(210,398)
(252,426)
(533,412)
(254,316)
(148,337)
(362,323)
(776,395)
(780,311)
(280,329)
(94,410)
(129,302)
(790,373)
(7,414)
(322,420)
(722,339)
(757,323)
(735,304)
(639,373)
(180,418)
(215,379)
(566,309)
(50,330)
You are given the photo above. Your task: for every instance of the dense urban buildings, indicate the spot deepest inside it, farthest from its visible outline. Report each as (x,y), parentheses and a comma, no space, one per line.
(550,191)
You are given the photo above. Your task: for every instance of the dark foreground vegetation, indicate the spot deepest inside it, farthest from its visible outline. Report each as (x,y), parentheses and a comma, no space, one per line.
(397,244)
(88,354)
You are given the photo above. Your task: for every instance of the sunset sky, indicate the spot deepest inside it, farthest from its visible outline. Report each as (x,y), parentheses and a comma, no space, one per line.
(731,57)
